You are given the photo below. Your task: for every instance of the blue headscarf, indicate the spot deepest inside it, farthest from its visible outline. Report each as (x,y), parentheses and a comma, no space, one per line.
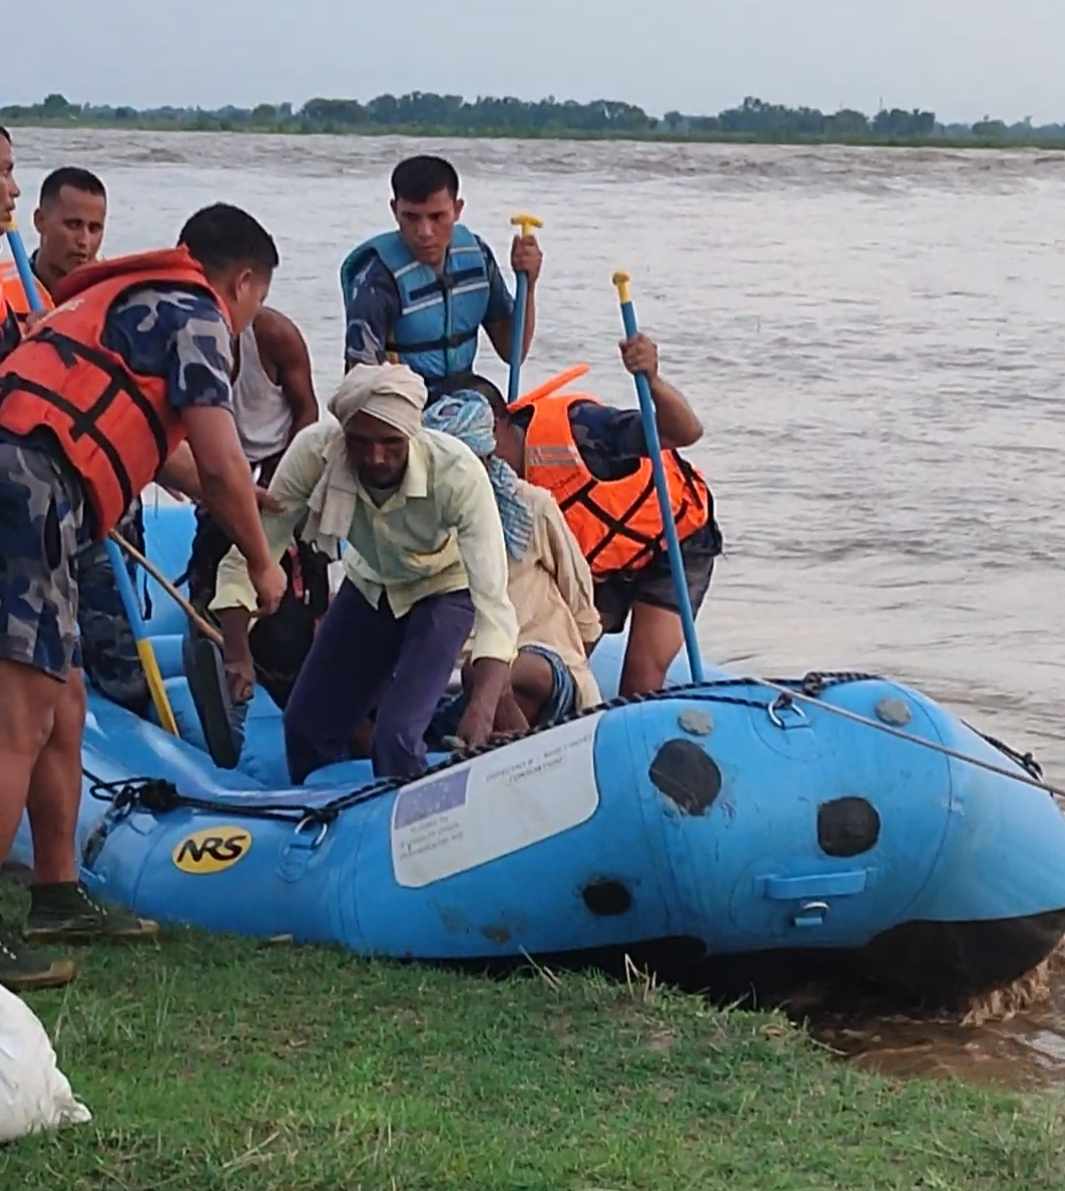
(468,417)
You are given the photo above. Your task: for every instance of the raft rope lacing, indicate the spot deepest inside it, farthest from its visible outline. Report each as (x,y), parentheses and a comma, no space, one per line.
(158,795)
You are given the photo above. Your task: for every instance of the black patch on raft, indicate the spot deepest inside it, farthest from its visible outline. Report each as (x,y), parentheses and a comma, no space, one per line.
(942,960)
(847,826)
(607,898)
(686,776)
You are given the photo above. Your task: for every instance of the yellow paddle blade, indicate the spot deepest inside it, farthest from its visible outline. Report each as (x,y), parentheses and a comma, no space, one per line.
(526,221)
(155,686)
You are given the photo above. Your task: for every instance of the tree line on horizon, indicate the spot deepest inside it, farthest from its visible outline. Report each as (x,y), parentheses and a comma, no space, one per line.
(427,113)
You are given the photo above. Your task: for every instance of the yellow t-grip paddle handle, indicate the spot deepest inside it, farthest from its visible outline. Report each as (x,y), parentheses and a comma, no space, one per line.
(623,283)
(525,221)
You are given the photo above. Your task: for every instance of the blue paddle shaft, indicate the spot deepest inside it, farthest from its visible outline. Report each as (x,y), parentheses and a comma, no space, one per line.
(25,271)
(125,589)
(517,337)
(665,504)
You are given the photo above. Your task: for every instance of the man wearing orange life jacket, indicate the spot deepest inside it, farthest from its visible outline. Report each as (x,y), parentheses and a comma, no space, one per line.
(135,360)
(593,458)
(69,220)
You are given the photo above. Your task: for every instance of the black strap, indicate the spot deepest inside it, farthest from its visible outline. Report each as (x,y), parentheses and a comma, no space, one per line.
(12,382)
(616,526)
(689,474)
(447,281)
(619,527)
(442,344)
(71,349)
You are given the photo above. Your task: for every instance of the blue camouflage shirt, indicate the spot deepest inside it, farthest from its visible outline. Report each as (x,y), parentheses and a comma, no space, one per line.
(611,441)
(176,333)
(373,305)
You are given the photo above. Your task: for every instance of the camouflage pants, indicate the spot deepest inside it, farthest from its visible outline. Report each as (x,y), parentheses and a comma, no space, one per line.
(42,529)
(55,581)
(108,646)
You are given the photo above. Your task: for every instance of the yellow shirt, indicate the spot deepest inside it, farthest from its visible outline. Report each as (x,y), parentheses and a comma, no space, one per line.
(438,532)
(552,593)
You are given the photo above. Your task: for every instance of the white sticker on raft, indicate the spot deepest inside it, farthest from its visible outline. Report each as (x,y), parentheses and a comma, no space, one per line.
(495,804)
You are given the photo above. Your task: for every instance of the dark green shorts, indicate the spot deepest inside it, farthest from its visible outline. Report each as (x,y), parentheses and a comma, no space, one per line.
(653,584)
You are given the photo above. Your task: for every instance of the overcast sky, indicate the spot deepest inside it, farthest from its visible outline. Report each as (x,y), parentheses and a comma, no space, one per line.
(962,58)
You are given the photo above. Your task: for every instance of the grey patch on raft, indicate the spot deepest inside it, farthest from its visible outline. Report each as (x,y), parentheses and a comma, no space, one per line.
(894,711)
(696,721)
(686,776)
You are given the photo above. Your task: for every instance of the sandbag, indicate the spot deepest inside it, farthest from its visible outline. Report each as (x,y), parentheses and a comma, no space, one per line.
(34,1093)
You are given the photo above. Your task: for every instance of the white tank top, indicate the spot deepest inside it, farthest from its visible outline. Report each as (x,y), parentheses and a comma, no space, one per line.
(264,417)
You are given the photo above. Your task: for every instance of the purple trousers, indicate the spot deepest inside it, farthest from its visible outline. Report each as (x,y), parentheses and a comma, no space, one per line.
(365,659)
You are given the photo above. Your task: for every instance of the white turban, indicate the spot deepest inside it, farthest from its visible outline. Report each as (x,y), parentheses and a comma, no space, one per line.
(393,394)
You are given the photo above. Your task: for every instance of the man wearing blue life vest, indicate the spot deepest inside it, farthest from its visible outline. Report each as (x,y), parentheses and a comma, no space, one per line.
(420,294)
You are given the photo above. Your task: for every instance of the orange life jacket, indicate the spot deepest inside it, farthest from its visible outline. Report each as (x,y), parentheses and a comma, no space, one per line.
(115,426)
(617,522)
(11,285)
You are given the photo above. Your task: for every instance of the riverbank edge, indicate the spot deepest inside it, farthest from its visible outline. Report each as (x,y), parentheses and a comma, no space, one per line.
(431,133)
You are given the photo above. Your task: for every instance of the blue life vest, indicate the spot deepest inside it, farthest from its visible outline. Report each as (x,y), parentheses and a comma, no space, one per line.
(436,332)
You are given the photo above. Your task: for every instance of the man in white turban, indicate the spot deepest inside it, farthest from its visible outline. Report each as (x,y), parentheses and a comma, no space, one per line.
(427,564)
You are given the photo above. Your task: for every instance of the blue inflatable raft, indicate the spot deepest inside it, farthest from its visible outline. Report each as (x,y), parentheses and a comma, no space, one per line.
(697,824)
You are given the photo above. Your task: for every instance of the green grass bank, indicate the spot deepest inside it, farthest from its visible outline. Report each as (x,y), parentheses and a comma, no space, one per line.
(220,1063)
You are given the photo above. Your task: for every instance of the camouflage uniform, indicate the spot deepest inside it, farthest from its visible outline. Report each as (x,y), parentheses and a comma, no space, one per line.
(47,554)
(42,529)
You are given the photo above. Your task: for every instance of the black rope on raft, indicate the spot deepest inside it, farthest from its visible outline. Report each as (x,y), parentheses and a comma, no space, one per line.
(1025,760)
(159,796)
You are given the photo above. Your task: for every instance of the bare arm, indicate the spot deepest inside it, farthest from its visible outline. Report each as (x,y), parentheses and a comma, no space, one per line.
(179,474)
(677,424)
(293,482)
(179,477)
(490,681)
(236,653)
(474,514)
(525,257)
(281,343)
(229,494)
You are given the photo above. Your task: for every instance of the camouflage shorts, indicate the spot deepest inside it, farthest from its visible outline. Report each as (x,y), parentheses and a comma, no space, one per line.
(42,530)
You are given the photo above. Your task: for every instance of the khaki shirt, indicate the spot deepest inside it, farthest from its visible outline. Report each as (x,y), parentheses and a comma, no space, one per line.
(438,532)
(552,593)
